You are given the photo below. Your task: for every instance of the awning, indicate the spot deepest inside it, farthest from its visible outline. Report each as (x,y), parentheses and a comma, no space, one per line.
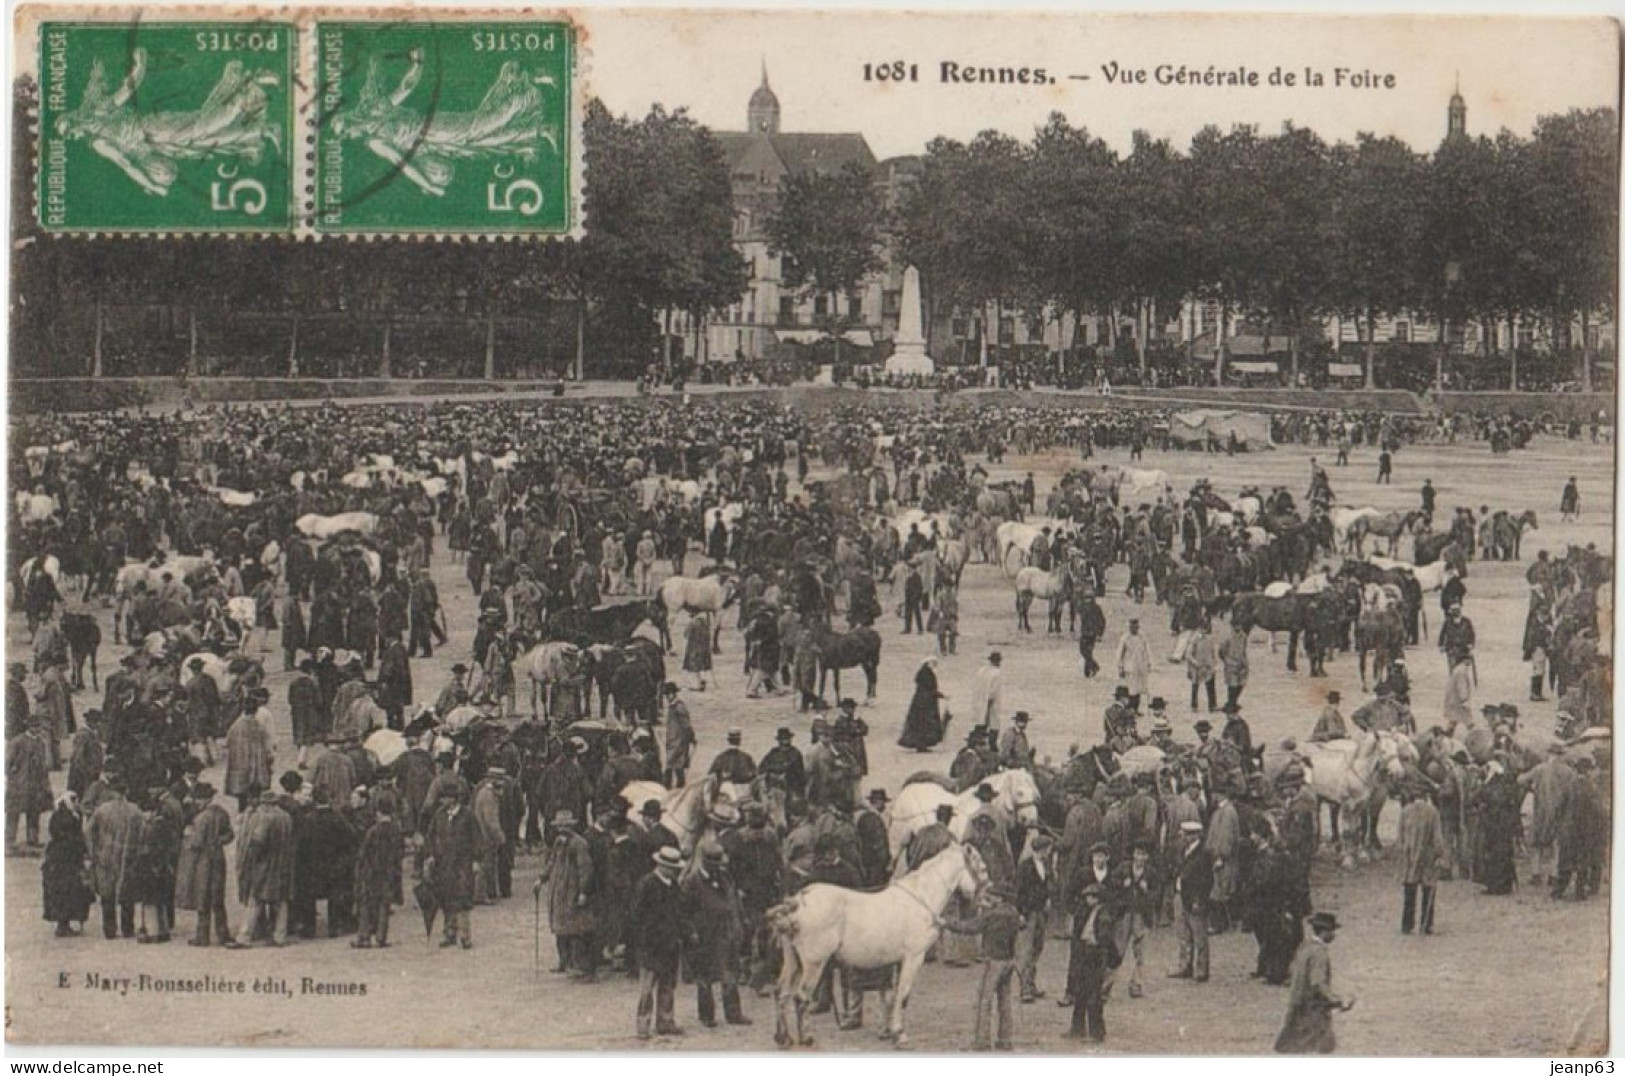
(861,337)
(1254,367)
(1344,369)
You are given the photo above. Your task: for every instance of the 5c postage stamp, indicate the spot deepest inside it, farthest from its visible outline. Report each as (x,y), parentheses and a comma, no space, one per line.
(183,126)
(447,126)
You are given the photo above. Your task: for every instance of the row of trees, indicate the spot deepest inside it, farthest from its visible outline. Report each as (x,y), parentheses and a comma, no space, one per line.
(1282,229)
(658,238)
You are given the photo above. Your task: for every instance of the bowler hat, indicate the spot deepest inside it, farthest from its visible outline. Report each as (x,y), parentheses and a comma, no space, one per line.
(1334,696)
(878,796)
(650,809)
(1204,725)
(784,735)
(985,793)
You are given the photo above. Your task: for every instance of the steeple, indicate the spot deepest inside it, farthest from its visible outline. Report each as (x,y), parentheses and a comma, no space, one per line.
(1456,124)
(762,116)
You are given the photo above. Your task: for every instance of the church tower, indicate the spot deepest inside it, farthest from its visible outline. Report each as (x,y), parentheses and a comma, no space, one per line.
(762,117)
(1457,123)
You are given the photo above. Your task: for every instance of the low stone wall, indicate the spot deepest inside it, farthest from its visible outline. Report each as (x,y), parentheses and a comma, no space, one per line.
(1542,406)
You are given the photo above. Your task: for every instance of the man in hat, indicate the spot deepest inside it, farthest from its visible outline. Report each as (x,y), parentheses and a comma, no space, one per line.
(1015,753)
(498,805)
(305,709)
(563,784)
(87,755)
(1422,850)
(756,860)
(999,924)
(200,698)
(265,853)
(17,702)
(1226,841)
(1552,783)
(657,943)
(249,756)
(455,693)
(1135,891)
(1330,725)
(378,876)
(334,773)
(713,922)
(1161,734)
(656,834)
(28,786)
(200,878)
(1584,836)
(1091,629)
(423,607)
(987,693)
(1233,657)
(1456,636)
(1216,757)
(1312,1000)
(874,849)
(1193,888)
(1239,735)
(1117,714)
(733,764)
(1032,897)
(567,876)
(969,768)
(785,763)
(450,848)
(395,683)
(680,738)
(1134,662)
(1094,954)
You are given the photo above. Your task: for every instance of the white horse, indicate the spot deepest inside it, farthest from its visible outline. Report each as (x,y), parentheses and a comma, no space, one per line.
(1343,521)
(1430,578)
(1350,775)
(1015,792)
(552,666)
(315,526)
(1138,483)
(1142,758)
(894,927)
(710,594)
(1016,538)
(683,810)
(1053,586)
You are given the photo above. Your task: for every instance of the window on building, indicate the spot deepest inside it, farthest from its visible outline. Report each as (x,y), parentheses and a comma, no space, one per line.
(1007,330)
(891,302)
(1562,336)
(1035,331)
(787,310)
(821,305)
(854,307)
(1455,334)
(1402,332)
(1593,337)
(961,328)
(1526,335)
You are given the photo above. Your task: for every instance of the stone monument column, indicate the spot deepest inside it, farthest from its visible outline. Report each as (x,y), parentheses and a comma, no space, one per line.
(908,356)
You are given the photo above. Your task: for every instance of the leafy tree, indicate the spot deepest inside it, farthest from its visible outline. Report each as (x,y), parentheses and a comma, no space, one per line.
(1376,202)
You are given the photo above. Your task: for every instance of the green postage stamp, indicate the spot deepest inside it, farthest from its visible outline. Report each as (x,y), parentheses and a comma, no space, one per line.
(166,127)
(443,126)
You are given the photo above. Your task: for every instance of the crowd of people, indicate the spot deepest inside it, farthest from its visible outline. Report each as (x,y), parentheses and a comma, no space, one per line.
(195,527)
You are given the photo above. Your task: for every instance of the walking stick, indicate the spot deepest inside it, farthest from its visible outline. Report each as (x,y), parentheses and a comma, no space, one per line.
(536,934)
(1472,661)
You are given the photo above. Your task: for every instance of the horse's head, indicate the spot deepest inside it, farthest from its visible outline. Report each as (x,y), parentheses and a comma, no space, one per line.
(1019,795)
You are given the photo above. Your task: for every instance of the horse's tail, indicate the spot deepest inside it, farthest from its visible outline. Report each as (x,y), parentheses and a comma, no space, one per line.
(782,923)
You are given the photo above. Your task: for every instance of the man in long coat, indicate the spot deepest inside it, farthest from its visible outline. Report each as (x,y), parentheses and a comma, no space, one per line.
(395,683)
(452,848)
(264,871)
(1224,839)
(657,943)
(680,738)
(1551,782)
(113,828)
(1312,1000)
(567,877)
(713,924)
(248,753)
(1134,662)
(310,722)
(200,880)
(1421,851)
(1233,656)
(378,877)
(28,785)
(987,696)
(56,710)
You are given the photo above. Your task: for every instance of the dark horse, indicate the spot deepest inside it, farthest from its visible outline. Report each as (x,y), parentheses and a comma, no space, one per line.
(858,648)
(1294,614)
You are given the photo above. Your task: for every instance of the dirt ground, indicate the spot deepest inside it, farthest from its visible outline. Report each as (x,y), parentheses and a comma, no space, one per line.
(1502,976)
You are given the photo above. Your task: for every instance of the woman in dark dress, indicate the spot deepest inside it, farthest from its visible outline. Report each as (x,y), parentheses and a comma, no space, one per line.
(67,896)
(922,728)
(1500,822)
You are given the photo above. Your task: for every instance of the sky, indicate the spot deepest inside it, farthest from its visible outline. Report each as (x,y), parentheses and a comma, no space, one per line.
(1510,70)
